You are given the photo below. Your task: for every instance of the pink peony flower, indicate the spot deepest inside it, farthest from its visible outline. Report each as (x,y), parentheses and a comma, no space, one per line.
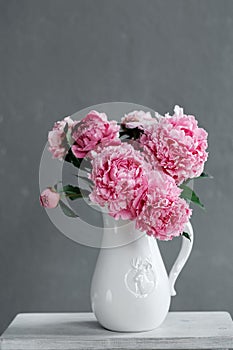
(164,213)
(137,119)
(49,198)
(120,181)
(93,133)
(57,138)
(177,144)
(99,148)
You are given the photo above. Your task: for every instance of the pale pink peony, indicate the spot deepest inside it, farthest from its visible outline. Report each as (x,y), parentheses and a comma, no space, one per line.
(177,144)
(57,139)
(93,133)
(137,119)
(164,213)
(120,181)
(49,198)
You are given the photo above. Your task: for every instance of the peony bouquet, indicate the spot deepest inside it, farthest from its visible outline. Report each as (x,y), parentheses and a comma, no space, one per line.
(138,169)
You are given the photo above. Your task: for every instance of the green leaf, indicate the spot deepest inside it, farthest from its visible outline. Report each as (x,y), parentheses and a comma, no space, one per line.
(186,235)
(67,211)
(204,175)
(70,188)
(134,133)
(189,194)
(70,158)
(74,192)
(77,162)
(65,128)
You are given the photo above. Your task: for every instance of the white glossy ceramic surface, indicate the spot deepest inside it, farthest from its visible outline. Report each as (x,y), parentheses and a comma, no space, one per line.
(131,291)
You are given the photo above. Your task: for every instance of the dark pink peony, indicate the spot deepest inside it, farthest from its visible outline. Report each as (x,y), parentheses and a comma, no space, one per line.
(164,213)
(120,181)
(177,144)
(93,133)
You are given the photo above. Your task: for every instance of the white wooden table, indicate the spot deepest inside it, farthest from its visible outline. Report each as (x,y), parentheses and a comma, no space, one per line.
(69,331)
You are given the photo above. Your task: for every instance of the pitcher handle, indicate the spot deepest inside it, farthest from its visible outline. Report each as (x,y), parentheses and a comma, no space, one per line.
(184,253)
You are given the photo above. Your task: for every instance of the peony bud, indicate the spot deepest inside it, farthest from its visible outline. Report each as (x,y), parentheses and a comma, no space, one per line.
(49,198)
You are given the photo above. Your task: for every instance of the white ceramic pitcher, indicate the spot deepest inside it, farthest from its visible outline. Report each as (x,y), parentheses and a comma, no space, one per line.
(130,290)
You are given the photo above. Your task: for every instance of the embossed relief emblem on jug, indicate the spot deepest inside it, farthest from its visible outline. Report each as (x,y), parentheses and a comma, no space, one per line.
(140,280)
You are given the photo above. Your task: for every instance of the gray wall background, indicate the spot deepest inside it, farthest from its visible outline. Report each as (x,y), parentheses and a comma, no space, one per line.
(57,57)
